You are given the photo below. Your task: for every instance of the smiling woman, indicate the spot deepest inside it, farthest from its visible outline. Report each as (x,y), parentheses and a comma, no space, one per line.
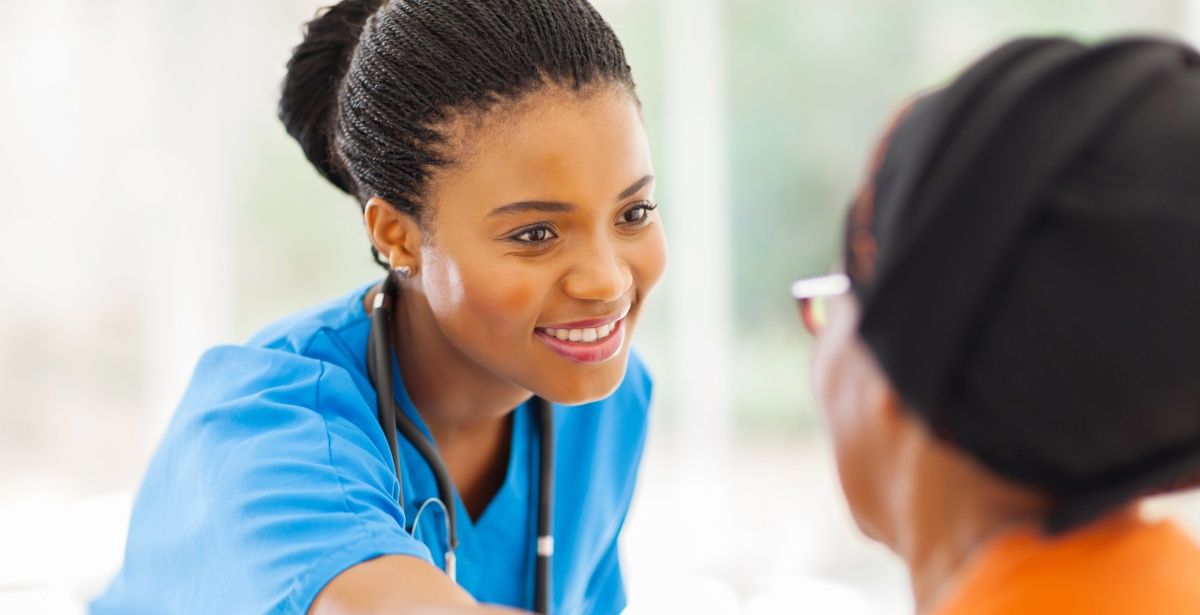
(546,223)
(497,152)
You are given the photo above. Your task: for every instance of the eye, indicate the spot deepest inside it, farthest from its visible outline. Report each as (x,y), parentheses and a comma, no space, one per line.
(638,214)
(534,235)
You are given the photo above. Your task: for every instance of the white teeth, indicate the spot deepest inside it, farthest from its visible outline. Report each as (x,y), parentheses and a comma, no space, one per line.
(586,336)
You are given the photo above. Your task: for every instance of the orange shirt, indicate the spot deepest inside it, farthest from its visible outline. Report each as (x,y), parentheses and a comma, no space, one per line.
(1117,566)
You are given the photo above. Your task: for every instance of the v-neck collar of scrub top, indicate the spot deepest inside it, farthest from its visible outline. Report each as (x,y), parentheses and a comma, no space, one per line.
(513,493)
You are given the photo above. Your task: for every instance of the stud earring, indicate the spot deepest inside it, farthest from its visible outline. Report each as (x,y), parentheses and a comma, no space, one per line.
(403,271)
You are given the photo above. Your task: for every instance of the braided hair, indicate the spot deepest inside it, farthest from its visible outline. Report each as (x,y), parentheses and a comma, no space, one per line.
(371,88)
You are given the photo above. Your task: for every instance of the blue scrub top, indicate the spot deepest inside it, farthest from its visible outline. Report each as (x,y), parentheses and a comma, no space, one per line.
(274,476)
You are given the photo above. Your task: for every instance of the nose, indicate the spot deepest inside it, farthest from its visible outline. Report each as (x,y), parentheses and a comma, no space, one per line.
(600,273)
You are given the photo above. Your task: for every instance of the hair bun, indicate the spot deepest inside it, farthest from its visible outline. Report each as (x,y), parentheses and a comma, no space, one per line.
(314,72)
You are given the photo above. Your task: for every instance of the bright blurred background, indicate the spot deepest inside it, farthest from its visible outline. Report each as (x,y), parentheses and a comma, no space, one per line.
(151,206)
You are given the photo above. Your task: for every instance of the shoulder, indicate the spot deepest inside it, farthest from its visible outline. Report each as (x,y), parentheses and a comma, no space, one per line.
(1157,565)
(253,419)
(340,316)
(321,345)
(258,384)
(306,371)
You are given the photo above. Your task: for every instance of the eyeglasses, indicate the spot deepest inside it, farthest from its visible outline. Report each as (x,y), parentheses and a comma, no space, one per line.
(811,295)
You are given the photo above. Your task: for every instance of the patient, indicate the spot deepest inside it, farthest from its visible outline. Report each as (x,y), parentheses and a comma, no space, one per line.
(1011,362)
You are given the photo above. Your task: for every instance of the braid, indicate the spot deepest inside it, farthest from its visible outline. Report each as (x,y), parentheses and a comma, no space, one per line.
(399,69)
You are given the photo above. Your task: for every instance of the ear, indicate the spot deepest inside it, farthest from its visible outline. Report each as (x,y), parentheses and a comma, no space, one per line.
(395,234)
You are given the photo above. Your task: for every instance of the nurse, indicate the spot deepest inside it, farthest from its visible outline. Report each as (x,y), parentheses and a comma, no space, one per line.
(1012,361)
(497,152)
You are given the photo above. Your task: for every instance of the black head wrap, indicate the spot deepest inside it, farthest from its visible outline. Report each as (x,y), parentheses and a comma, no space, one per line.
(1027,257)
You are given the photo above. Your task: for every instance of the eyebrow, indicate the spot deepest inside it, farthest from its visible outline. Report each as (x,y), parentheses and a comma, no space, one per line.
(520,207)
(633,189)
(558,207)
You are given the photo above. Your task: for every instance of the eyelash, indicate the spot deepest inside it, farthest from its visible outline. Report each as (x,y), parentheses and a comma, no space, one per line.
(551,235)
(645,206)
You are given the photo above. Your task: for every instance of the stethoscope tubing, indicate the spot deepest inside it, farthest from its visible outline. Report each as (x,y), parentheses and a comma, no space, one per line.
(545,530)
(391,420)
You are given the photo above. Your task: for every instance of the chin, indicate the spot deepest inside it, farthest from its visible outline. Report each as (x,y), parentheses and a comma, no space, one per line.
(585,384)
(857,505)
(874,528)
(867,528)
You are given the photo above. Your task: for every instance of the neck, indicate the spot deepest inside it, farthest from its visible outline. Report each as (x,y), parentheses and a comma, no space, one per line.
(468,409)
(454,394)
(947,508)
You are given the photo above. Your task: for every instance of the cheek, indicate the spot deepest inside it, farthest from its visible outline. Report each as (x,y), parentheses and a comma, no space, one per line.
(840,399)
(443,283)
(828,374)
(479,298)
(648,259)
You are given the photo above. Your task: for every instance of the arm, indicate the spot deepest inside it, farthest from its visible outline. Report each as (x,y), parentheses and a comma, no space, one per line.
(397,585)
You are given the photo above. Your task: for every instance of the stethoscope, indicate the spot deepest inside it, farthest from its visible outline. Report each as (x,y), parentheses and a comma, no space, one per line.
(379,369)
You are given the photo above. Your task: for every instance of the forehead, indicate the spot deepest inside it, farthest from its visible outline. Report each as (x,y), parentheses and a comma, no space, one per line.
(555,144)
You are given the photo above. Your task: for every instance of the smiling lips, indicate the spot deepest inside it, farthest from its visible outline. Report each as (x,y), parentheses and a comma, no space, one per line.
(591,341)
